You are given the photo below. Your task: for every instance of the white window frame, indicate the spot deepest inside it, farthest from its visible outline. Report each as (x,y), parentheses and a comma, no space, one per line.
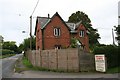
(82,33)
(56,32)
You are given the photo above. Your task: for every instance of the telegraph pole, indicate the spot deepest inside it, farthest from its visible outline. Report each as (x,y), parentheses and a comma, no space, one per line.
(31,26)
(31,32)
(113,37)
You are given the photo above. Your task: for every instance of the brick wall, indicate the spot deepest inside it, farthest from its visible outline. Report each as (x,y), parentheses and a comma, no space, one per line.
(50,40)
(39,37)
(84,40)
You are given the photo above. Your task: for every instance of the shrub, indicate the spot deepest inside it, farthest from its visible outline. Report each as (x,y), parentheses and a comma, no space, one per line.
(111,52)
(6,51)
(73,43)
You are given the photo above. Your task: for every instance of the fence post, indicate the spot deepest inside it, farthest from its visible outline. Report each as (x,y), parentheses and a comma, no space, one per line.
(56,51)
(48,58)
(40,58)
(33,59)
(67,60)
(79,58)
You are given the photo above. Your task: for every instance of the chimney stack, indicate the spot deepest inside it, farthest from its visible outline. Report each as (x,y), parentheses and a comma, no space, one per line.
(48,15)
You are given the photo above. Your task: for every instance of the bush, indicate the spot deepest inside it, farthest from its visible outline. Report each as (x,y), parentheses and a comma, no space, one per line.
(111,52)
(73,43)
(6,51)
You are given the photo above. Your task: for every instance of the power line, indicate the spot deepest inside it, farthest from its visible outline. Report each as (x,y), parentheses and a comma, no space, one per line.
(31,25)
(35,7)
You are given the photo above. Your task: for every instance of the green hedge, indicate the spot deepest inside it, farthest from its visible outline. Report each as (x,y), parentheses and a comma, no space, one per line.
(111,52)
(6,51)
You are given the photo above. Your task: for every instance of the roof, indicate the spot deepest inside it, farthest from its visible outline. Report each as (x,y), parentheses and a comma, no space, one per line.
(44,21)
(73,26)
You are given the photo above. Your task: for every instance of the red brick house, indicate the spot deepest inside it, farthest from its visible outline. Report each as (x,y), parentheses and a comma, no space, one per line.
(55,32)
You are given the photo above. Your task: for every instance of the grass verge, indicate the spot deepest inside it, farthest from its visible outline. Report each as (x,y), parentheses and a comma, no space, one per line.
(29,66)
(27,63)
(5,56)
(114,70)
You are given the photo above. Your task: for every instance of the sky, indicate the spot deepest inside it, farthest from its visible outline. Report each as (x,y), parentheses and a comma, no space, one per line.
(119,12)
(15,16)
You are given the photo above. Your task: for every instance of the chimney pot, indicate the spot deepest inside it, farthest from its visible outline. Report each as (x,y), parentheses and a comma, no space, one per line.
(48,15)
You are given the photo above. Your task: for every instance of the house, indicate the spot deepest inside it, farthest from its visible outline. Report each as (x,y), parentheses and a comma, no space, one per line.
(56,33)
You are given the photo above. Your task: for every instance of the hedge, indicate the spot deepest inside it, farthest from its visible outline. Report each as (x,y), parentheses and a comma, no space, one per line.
(111,52)
(6,51)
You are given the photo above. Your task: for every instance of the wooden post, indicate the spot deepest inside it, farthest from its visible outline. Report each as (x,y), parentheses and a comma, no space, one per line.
(79,58)
(30,32)
(40,58)
(56,51)
(48,58)
(67,61)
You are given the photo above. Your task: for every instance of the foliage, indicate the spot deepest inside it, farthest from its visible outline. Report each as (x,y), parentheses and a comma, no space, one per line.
(26,62)
(26,44)
(81,16)
(1,41)
(73,42)
(111,52)
(6,51)
(20,48)
(117,29)
(10,45)
(114,70)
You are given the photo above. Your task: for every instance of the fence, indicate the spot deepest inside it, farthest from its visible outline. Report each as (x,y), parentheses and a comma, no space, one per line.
(63,59)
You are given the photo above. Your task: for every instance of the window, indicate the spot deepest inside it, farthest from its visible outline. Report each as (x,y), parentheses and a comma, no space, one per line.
(56,31)
(58,46)
(82,33)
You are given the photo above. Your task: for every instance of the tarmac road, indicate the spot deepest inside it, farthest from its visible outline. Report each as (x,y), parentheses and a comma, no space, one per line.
(8,65)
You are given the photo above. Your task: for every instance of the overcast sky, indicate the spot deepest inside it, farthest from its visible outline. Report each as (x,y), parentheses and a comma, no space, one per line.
(14,16)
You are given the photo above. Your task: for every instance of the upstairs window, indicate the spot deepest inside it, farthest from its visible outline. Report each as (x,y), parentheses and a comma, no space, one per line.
(82,33)
(56,32)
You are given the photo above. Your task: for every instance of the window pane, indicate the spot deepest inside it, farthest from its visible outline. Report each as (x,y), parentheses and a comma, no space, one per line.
(82,33)
(56,31)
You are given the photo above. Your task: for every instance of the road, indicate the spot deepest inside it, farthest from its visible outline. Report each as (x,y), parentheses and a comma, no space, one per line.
(44,74)
(8,65)
(8,72)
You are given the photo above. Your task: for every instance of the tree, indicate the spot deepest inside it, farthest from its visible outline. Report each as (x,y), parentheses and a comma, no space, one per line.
(20,48)
(1,41)
(81,16)
(10,45)
(117,29)
(26,44)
